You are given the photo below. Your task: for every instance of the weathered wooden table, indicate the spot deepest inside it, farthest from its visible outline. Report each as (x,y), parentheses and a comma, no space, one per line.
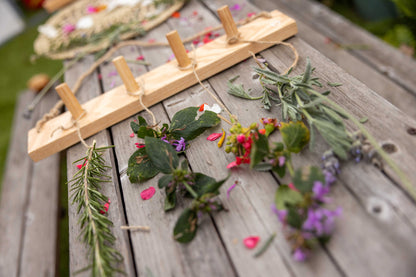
(374,237)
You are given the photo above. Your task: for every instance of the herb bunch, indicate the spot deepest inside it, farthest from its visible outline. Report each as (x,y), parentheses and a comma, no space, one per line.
(94,225)
(159,153)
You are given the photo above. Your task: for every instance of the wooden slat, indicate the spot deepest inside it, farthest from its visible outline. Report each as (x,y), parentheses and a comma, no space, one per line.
(150,248)
(160,83)
(379,82)
(78,250)
(15,191)
(383,57)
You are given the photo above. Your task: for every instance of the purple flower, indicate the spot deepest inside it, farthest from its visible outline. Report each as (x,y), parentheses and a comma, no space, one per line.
(281,214)
(329,177)
(299,255)
(164,138)
(321,221)
(180,145)
(282,160)
(319,191)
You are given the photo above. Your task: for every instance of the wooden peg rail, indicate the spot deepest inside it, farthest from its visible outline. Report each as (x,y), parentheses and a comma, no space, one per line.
(160,83)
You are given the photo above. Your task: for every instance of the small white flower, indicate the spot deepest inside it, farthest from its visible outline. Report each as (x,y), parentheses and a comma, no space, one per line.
(215,108)
(112,4)
(85,22)
(48,31)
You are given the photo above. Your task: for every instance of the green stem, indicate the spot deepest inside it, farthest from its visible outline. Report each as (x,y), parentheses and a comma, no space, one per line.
(265,246)
(290,167)
(403,178)
(190,190)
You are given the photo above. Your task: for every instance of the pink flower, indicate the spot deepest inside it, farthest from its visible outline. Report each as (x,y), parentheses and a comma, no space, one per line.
(68,28)
(241,138)
(92,9)
(251,242)
(232,164)
(214,136)
(148,193)
(106,207)
(139,145)
(132,135)
(140,58)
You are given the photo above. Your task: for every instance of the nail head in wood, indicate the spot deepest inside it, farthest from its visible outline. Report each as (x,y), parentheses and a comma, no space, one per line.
(228,23)
(70,100)
(178,49)
(126,74)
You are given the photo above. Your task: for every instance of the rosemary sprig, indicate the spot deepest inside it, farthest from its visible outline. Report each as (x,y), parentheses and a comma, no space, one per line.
(95,227)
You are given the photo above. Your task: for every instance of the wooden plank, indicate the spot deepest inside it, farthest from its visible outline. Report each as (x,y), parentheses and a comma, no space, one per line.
(387,231)
(350,247)
(160,83)
(39,242)
(15,191)
(78,250)
(379,55)
(149,249)
(377,81)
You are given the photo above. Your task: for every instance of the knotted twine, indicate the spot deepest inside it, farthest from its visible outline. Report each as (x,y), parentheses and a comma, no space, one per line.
(54,112)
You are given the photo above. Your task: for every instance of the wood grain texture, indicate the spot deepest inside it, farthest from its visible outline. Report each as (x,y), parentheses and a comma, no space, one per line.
(15,191)
(162,82)
(398,67)
(158,245)
(378,81)
(39,242)
(78,250)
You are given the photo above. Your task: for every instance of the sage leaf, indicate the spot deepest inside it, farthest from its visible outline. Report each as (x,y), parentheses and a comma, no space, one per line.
(263,167)
(140,167)
(205,184)
(239,91)
(162,154)
(334,84)
(364,120)
(165,180)
(186,226)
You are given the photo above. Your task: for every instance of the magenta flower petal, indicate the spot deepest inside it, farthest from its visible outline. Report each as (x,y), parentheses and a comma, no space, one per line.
(232,164)
(230,189)
(132,135)
(251,242)
(106,207)
(148,193)
(214,136)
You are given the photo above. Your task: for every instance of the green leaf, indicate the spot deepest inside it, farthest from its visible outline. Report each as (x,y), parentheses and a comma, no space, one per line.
(145,131)
(239,91)
(263,167)
(280,170)
(170,200)
(293,218)
(165,180)
(162,154)
(140,167)
(284,196)
(334,84)
(308,71)
(186,226)
(295,135)
(259,150)
(142,123)
(364,119)
(184,123)
(305,177)
(205,184)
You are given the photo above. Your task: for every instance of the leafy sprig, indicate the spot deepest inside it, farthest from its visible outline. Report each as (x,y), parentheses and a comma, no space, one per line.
(186,125)
(95,226)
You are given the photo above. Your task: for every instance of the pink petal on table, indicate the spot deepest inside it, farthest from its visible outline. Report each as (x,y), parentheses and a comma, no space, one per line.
(68,28)
(139,145)
(236,7)
(79,166)
(148,193)
(214,136)
(251,14)
(132,135)
(140,58)
(251,242)
(113,83)
(232,164)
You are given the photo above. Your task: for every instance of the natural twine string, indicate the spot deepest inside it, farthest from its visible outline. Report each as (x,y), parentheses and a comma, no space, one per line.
(74,122)
(54,112)
(140,94)
(233,40)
